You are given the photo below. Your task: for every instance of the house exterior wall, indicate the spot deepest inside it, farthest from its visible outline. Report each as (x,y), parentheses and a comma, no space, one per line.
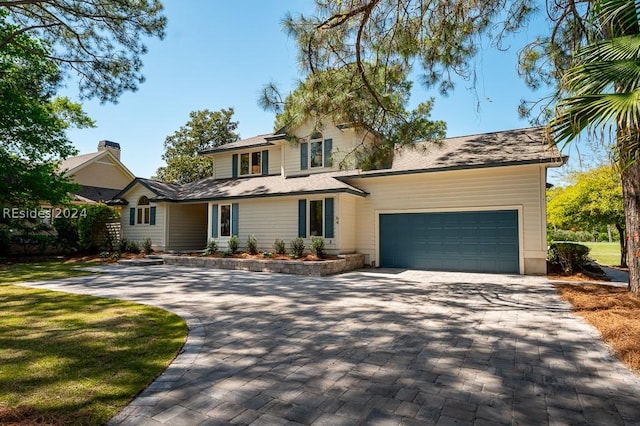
(346,223)
(344,141)
(186,226)
(102,173)
(223,168)
(277,218)
(139,232)
(516,187)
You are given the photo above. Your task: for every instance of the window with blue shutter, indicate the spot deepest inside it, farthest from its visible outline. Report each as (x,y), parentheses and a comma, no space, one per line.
(234,165)
(328,147)
(304,154)
(265,163)
(214,221)
(302,218)
(328,218)
(132,216)
(234,219)
(152,218)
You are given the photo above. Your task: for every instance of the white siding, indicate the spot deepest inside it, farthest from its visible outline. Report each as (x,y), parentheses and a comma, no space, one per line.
(139,232)
(517,187)
(186,226)
(222,166)
(346,226)
(343,143)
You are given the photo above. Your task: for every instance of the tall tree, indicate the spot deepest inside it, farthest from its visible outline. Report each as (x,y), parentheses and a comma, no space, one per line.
(99,40)
(594,199)
(601,92)
(205,129)
(330,96)
(32,122)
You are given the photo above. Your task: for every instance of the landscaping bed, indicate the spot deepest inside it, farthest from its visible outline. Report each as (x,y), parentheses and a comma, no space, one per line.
(307,265)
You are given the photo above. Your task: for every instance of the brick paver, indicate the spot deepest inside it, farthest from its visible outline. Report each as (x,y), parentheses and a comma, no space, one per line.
(371,347)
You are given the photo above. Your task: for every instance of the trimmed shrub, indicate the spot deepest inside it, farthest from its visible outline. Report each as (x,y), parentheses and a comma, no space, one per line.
(92,227)
(252,244)
(133,247)
(317,246)
(212,247)
(280,247)
(569,256)
(67,239)
(234,244)
(122,245)
(146,245)
(297,247)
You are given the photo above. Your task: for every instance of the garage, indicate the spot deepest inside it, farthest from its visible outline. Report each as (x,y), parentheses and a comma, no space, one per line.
(468,241)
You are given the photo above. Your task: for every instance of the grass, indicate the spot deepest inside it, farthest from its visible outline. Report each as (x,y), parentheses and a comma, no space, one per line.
(76,360)
(614,311)
(607,254)
(40,271)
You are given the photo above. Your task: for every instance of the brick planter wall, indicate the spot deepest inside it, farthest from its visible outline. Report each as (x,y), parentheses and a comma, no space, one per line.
(345,263)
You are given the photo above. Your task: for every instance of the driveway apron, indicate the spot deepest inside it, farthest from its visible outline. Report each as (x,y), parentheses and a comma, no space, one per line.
(371,347)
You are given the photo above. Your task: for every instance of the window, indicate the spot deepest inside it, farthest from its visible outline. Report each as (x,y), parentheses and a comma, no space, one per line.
(316,150)
(316,215)
(225,220)
(143,211)
(251,163)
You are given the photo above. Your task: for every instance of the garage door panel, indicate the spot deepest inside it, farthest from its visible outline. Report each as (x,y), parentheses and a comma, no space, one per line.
(481,241)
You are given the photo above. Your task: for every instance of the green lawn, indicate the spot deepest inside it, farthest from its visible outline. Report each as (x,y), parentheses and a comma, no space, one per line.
(41,271)
(605,253)
(73,359)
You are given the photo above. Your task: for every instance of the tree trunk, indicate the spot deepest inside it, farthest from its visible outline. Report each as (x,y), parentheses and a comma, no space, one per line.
(631,196)
(623,245)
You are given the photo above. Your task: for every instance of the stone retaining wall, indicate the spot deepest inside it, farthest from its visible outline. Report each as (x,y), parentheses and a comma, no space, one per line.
(345,263)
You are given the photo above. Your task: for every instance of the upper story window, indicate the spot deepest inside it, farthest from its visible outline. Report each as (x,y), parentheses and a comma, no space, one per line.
(316,152)
(143,210)
(251,163)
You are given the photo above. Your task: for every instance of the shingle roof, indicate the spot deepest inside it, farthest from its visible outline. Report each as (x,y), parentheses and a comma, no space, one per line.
(255,141)
(73,162)
(510,147)
(96,193)
(163,190)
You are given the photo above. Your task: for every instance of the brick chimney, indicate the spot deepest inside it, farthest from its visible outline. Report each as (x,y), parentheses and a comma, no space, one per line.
(112,147)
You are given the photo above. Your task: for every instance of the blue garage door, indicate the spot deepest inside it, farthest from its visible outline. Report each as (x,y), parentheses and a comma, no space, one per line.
(480,241)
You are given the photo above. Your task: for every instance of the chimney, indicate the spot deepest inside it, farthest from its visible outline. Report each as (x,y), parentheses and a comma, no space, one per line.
(112,147)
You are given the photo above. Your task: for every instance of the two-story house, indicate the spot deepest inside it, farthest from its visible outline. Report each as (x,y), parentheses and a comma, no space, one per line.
(476,203)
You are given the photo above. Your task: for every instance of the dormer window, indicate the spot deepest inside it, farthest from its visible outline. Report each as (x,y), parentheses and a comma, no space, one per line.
(251,163)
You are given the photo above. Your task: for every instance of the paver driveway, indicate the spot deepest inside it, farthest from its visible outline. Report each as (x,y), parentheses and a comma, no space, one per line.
(372,348)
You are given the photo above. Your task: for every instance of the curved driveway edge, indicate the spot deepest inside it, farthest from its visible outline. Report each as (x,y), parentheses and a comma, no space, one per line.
(370,347)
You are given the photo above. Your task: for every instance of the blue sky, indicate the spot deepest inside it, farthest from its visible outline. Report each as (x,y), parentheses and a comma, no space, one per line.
(219,54)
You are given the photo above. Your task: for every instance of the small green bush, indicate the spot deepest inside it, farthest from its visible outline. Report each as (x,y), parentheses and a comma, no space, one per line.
(279,246)
(68,240)
(317,246)
(267,254)
(234,244)
(105,254)
(252,244)
(146,246)
(133,247)
(569,256)
(212,247)
(297,247)
(122,245)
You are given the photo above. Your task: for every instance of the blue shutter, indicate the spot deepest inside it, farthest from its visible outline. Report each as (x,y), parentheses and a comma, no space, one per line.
(214,221)
(265,163)
(152,216)
(302,218)
(132,216)
(328,147)
(328,218)
(304,156)
(234,218)
(234,165)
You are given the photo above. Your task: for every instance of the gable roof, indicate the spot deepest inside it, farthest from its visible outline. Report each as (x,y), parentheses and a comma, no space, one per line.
(162,190)
(72,165)
(504,148)
(253,142)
